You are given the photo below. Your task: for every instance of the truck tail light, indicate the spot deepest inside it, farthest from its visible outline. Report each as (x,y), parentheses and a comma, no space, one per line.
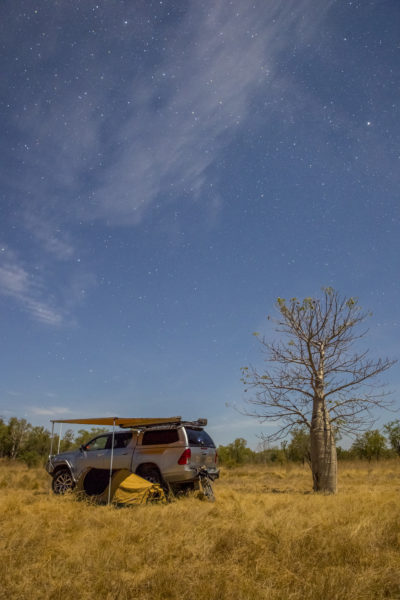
(185,457)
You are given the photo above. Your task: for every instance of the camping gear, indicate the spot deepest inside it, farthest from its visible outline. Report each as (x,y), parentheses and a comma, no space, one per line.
(124,488)
(166,451)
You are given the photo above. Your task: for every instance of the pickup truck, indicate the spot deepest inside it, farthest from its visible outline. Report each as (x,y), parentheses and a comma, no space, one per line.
(170,454)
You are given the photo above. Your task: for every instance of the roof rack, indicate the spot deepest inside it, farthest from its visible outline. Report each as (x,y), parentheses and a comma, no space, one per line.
(198,424)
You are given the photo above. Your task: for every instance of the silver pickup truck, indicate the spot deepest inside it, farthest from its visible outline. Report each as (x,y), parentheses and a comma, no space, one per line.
(161,454)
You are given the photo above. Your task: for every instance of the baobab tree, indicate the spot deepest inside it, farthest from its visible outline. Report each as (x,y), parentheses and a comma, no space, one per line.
(315,377)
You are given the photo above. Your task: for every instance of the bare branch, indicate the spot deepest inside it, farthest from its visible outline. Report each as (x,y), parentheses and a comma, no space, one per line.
(316,361)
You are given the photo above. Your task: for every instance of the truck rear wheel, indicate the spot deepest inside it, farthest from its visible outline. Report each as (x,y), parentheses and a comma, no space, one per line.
(153,475)
(150,474)
(62,482)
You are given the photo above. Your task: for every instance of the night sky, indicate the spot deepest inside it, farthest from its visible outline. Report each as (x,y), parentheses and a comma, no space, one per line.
(168,169)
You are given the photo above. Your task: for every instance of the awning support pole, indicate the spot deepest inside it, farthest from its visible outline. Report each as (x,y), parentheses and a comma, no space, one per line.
(59,439)
(52,437)
(111,464)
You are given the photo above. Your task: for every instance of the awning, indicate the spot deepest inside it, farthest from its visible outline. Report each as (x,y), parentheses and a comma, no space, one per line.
(120,422)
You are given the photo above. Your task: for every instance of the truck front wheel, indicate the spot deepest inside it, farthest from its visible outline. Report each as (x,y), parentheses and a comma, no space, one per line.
(62,482)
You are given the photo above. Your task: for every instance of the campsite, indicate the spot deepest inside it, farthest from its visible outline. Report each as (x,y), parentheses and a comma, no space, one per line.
(199,300)
(266,536)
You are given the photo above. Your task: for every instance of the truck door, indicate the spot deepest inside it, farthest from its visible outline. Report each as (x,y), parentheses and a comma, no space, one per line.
(95,452)
(124,445)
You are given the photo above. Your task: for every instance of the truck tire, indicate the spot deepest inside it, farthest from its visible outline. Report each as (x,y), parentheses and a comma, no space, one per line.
(62,481)
(150,474)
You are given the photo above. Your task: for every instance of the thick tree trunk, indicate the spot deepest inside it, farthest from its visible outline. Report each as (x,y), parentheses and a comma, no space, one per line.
(323,449)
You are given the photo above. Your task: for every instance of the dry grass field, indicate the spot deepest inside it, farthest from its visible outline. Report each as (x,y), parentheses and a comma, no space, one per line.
(266,536)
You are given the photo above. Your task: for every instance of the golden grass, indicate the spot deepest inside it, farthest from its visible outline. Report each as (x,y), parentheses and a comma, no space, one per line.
(266,536)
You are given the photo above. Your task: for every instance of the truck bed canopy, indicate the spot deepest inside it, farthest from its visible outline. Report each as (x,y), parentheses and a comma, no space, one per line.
(120,422)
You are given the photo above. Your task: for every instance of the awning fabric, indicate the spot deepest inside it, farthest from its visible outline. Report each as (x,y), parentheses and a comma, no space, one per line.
(120,422)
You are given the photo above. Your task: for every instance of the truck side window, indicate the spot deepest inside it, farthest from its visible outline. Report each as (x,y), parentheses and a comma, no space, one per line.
(98,443)
(160,436)
(122,439)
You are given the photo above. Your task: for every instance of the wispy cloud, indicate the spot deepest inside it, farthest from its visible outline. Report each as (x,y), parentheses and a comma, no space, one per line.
(195,103)
(110,142)
(55,411)
(174,118)
(46,297)
(47,232)
(16,282)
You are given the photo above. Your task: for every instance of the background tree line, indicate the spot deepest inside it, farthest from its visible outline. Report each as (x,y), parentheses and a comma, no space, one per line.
(19,440)
(372,444)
